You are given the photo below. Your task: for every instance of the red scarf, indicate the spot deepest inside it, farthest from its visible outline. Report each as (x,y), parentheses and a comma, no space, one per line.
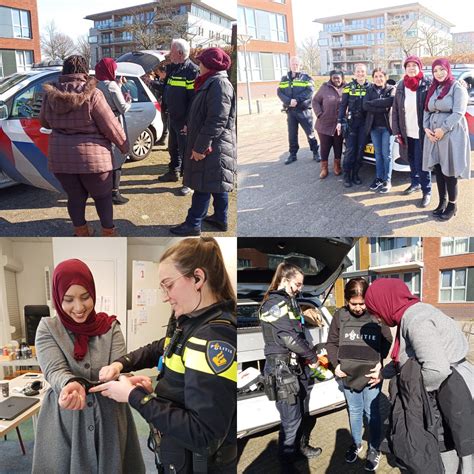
(201,79)
(74,272)
(388,299)
(412,83)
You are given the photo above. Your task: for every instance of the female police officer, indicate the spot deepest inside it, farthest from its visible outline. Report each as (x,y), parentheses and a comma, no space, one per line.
(288,359)
(193,406)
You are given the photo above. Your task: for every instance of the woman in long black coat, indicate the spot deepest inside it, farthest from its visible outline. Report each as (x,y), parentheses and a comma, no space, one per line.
(210,161)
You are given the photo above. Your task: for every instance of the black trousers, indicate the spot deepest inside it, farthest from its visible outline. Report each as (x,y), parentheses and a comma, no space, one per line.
(304,118)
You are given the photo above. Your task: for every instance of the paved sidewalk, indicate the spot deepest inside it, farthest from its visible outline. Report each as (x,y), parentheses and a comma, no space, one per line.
(280,200)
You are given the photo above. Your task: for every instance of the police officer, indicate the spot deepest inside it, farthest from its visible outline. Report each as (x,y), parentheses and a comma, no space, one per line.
(296,91)
(192,410)
(178,95)
(353,115)
(289,358)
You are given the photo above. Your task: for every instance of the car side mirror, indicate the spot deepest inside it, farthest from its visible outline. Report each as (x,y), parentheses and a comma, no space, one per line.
(3,111)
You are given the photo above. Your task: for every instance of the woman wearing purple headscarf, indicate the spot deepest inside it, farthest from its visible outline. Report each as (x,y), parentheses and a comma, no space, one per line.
(446,149)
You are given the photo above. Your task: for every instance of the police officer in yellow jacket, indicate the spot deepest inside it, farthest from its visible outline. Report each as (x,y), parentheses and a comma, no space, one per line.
(289,360)
(352,116)
(192,411)
(296,91)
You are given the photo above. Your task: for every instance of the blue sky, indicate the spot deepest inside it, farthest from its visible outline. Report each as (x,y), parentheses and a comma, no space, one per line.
(68,15)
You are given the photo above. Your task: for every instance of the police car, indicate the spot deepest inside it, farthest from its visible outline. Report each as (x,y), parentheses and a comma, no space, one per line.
(463,72)
(24,143)
(323,260)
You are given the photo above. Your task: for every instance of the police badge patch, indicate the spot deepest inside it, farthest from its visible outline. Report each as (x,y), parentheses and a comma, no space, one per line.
(220,355)
(275,311)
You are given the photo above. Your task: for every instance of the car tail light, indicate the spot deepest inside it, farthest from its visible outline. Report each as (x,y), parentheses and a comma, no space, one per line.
(157,106)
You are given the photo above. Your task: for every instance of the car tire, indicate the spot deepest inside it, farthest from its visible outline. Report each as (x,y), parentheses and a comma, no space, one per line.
(142,146)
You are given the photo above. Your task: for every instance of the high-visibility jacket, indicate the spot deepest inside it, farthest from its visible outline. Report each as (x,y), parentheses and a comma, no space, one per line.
(194,404)
(351,106)
(179,89)
(297,86)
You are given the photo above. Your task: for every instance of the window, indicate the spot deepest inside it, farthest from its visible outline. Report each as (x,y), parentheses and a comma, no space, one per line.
(24,60)
(456,245)
(262,25)
(21,23)
(457,285)
(27,104)
(243,263)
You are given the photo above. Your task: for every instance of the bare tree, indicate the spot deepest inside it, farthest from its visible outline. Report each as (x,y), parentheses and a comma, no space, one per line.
(310,55)
(155,30)
(399,39)
(434,43)
(55,44)
(83,48)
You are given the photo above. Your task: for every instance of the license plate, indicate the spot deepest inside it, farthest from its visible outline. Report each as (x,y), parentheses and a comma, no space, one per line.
(369,149)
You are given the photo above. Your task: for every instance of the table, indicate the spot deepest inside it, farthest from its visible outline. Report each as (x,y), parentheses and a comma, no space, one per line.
(19,382)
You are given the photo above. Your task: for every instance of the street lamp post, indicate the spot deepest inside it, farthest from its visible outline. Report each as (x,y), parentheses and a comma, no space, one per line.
(243,39)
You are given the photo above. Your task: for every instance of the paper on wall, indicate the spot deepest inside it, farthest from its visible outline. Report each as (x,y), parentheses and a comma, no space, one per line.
(147,297)
(142,315)
(139,270)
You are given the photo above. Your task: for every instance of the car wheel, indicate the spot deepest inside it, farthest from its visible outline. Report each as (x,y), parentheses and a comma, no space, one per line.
(142,146)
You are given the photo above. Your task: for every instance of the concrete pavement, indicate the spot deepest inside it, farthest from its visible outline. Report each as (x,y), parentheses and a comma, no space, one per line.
(280,200)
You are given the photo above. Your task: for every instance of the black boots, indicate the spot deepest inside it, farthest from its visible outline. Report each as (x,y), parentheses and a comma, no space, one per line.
(117,198)
(308,451)
(355,177)
(347,179)
(441,207)
(449,212)
(291,157)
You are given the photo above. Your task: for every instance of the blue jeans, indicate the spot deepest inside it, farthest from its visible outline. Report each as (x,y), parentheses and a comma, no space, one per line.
(355,143)
(358,403)
(415,159)
(383,153)
(176,146)
(200,204)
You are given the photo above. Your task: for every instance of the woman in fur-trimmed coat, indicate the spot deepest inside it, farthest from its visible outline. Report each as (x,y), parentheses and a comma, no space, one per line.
(79,151)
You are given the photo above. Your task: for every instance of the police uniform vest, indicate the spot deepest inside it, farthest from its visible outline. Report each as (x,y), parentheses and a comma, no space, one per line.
(293,87)
(198,364)
(355,93)
(360,344)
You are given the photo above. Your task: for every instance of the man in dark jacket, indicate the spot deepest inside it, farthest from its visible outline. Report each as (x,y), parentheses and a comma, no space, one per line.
(179,93)
(296,91)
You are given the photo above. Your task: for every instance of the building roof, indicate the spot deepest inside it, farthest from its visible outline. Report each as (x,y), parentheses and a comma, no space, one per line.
(147,7)
(380,11)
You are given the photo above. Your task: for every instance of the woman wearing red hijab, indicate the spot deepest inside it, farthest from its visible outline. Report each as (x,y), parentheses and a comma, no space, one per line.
(407,125)
(80,432)
(105,74)
(436,342)
(210,161)
(447,148)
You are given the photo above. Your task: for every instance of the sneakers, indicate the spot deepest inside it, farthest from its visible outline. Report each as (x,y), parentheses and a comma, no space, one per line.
(376,184)
(373,460)
(185,191)
(386,187)
(352,453)
(411,189)
(185,230)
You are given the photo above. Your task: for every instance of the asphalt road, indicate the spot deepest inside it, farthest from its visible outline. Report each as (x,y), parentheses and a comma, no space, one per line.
(275,199)
(152,209)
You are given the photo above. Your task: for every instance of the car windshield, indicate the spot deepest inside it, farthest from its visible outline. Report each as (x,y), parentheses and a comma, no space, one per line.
(10,81)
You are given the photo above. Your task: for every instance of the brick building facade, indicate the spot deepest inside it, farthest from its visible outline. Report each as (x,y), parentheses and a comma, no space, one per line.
(19,36)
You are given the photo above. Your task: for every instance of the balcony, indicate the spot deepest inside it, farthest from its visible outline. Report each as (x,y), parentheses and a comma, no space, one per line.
(356,57)
(397,259)
(108,41)
(113,24)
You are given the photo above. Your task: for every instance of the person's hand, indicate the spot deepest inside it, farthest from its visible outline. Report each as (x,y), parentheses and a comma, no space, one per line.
(430,135)
(293,103)
(110,372)
(438,133)
(374,375)
(338,128)
(125,148)
(338,372)
(116,390)
(313,366)
(197,156)
(72,397)
(142,381)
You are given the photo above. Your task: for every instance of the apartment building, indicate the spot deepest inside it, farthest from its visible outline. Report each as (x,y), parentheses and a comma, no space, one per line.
(463,42)
(266,39)
(438,270)
(111,35)
(19,36)
(381,37)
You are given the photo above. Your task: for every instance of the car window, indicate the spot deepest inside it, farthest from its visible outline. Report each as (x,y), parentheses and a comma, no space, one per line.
(247,316)
(10,81)
(27,103)
(134,88)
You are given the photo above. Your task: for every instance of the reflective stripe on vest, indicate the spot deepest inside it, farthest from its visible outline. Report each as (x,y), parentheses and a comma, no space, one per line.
(175,81)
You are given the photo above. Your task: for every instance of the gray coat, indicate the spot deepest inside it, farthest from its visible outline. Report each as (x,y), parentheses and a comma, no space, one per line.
(211,124)
(453,151)
(436,341)
(99,439)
